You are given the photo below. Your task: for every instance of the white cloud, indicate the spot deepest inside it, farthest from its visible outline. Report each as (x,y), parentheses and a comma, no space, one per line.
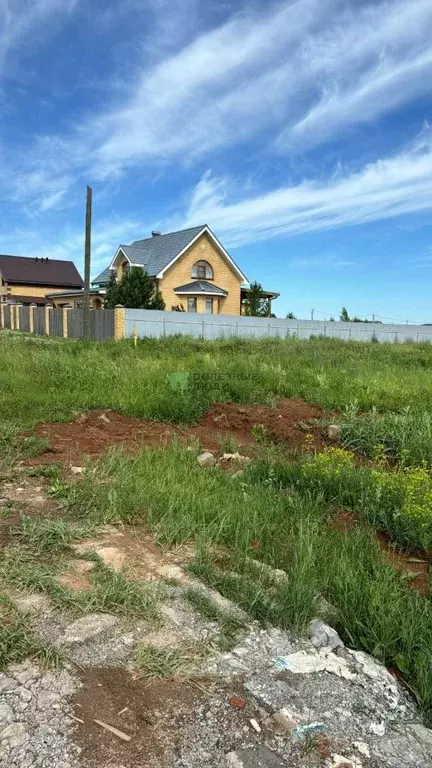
(400,184)
(24,23)
(294,74)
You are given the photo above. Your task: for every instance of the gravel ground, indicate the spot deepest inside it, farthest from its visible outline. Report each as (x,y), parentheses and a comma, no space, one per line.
(35,723)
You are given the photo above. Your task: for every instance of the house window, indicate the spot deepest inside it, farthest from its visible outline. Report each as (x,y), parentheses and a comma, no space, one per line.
(191,304)
(202,270)
(209,306)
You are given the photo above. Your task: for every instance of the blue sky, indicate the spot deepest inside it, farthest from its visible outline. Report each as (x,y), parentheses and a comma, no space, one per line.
(299,131)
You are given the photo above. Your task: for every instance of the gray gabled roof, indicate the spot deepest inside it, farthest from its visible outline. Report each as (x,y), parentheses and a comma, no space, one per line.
(156,252)
(200,286)
(103,278)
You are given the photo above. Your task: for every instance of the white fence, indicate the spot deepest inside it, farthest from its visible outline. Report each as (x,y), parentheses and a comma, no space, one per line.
(157,324)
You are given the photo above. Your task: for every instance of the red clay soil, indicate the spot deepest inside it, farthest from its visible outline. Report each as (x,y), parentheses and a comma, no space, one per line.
(415,564)
(93,433)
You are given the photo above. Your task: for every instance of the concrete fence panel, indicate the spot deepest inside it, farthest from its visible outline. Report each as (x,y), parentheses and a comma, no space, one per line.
(157,324)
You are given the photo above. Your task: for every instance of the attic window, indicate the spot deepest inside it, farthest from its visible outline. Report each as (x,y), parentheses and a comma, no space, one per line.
(202,270)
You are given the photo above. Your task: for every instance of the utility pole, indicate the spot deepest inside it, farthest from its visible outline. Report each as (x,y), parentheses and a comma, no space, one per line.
(87,262)
(312,314)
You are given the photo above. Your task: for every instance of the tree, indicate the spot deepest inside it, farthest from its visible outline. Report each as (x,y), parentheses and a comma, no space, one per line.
(112,292)
(136,290)
(344,316)
(291,316)
(256,305)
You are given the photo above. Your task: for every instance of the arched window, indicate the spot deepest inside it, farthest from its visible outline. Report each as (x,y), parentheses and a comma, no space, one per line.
(202,270)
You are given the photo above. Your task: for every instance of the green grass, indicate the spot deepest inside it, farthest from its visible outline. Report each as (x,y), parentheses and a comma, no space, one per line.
(34,568)
(276,514)
(49,534)
(398,502)
(17,641)
(42,380)
(178,664)
(234,522)
(404,438)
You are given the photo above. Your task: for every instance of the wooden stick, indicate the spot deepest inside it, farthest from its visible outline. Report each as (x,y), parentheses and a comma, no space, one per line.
(78,719)
(113,730)
(122,711)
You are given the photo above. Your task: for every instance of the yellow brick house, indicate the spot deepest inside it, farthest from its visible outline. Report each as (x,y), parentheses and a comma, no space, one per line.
(192,269)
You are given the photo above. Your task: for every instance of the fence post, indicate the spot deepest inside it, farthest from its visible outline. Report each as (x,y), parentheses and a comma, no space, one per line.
(48,308)
(32,308)
(202,329)
(65,311)
(2,320)
(12,317)
(17,316)
(119,322)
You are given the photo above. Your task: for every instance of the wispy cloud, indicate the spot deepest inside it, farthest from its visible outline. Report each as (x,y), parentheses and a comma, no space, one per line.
(397,185)
(24,23)
(294,74)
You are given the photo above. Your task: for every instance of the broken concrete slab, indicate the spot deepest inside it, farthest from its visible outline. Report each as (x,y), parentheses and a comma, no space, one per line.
(260,757)
(87,628)
(32,603)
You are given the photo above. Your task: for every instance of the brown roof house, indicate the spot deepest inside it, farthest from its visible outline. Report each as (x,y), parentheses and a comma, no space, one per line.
(29,280)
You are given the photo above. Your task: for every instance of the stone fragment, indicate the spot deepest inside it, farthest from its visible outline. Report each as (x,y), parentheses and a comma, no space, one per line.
(228,457)
(104,418)
(87,627)
(284,719)
(206,459)
(237,702)
(7,683)
(339,761)
(77,470)
(15,734)
(260,757)
(377,728)
(362,747)
(6,714)
(112,557)
(323,636)
(334,432)
(32,603)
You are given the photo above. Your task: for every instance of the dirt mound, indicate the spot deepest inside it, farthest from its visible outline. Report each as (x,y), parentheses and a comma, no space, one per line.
(288,423)
(94,432)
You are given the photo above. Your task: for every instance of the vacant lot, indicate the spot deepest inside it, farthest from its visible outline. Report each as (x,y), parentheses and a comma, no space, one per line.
(114,432)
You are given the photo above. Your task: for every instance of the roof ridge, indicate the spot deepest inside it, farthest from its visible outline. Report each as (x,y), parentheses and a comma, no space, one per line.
(174,232)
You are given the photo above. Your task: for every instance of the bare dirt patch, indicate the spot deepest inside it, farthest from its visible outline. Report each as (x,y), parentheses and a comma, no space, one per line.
(22,496)
(150,712)
(289,423)
(135,549)
(93,433)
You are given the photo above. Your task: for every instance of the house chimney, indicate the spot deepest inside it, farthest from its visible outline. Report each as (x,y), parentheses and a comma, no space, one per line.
(155,233)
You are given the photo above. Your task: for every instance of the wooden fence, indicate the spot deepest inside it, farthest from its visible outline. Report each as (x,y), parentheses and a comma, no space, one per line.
(62,323)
